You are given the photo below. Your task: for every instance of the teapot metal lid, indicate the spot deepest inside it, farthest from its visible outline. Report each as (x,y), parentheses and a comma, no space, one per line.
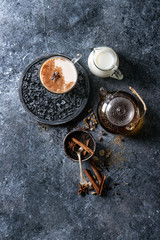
(120,111)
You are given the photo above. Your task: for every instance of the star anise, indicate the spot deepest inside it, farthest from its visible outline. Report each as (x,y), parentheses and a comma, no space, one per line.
(83,190)
(55,76)
(71,145)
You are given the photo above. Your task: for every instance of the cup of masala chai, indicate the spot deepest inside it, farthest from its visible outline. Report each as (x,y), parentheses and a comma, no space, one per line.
(58,74)
(76,139)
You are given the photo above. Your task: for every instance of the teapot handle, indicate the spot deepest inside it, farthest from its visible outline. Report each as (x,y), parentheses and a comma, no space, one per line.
(139,97)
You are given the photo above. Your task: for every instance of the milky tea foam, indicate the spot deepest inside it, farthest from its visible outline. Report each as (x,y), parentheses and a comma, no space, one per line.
(58,74)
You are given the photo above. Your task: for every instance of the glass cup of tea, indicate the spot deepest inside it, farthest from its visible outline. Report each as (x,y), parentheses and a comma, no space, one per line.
(58,74)
(104,62)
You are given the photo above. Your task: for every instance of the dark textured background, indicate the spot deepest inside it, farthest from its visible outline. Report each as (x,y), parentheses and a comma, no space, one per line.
(38,193)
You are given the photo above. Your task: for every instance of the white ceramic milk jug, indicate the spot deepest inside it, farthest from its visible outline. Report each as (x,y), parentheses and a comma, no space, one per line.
(104,62)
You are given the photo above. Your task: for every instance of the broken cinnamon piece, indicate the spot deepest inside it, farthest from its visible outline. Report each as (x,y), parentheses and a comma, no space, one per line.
(101,185)
(87,143)
(92,180)
(83,146)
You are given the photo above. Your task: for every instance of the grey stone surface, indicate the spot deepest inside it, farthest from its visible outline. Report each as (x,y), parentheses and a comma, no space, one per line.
(38,183)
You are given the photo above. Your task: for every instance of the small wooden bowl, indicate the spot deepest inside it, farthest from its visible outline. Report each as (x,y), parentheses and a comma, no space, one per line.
(82,136)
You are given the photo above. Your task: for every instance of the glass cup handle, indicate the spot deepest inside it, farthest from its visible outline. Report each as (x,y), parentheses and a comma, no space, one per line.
(117,73)
(77,58)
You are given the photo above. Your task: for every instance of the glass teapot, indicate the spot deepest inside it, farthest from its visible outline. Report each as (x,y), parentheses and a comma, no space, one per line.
(120,112)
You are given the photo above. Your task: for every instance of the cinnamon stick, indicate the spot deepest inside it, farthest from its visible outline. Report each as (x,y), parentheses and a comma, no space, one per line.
(87,143)
(95,170)
(83,146)
(92,180)
(101,185)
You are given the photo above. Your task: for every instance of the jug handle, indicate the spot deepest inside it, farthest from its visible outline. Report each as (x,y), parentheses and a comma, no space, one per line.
(144,105)
(103,93)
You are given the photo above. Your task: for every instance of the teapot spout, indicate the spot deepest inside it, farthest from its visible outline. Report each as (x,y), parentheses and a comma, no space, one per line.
(103,93)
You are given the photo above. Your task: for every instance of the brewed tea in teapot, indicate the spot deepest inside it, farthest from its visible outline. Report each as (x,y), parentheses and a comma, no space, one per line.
(120,112)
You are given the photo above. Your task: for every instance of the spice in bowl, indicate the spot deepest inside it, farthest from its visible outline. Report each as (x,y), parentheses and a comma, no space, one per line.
(76,139)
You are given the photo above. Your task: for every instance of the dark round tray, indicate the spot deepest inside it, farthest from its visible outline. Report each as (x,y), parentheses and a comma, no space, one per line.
(47,107)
